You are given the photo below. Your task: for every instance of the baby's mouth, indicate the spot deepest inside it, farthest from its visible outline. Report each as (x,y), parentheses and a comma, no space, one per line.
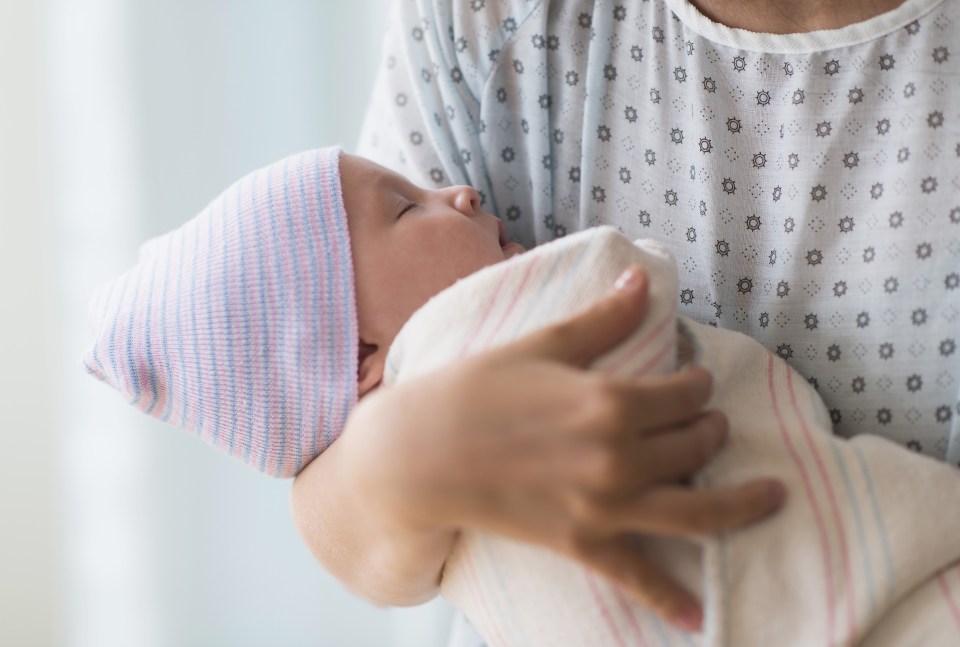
(509,249)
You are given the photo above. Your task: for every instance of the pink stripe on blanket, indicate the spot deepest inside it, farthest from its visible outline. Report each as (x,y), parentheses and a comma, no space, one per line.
(952,602)
(513,303)
(630,612)
(658,357)
(604,609)
(641,344)
(506,608)
(808,491)
(486,315)
(478,593)
(834,511)
(625,358)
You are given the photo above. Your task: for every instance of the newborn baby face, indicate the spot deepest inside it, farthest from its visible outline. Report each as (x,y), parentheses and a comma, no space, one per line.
(408,244)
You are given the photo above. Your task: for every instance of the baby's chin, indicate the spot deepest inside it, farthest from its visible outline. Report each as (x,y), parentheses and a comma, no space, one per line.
(512,249)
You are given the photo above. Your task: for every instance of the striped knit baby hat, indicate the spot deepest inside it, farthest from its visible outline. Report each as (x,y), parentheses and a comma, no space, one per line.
(241,325)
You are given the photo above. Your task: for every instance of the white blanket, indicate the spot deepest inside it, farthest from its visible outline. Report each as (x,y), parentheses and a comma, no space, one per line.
(865,551)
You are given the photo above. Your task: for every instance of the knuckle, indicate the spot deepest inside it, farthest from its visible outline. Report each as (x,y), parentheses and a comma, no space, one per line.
(696,389)
(586,510)
(692,522)
(606,409)
(715,515)
(576,543)
(562,334)
(704,447)
(607,469)
(699,525)
(690,398)
(704,382)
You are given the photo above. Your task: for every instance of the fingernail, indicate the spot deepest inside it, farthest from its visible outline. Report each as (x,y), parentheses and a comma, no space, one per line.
(776,492)
(723,427)
(690,619)
(722,434)
(628,279)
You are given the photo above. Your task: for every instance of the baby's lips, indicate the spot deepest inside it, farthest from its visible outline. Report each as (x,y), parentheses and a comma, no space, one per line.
(509,249)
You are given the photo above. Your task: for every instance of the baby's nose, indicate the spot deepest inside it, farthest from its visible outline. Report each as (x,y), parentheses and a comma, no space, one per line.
(466,199)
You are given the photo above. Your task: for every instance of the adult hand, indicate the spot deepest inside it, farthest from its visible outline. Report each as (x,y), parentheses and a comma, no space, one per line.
(521,441)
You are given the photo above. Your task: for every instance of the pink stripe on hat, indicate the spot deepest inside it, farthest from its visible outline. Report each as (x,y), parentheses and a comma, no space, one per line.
(241,325)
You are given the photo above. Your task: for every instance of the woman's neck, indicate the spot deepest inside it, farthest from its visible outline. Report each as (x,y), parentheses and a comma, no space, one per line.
(792,16)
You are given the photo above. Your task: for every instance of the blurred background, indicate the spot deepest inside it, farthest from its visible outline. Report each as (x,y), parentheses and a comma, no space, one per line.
(120,119)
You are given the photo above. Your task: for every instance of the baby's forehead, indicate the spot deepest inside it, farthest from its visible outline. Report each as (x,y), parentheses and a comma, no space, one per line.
(366,175)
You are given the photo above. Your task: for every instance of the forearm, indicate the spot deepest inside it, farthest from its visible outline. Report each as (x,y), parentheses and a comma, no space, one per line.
(343,520)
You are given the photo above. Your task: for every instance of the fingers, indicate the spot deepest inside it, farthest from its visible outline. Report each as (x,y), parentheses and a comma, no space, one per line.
(623,469)
(619,560)
(679,511)
(666,400)
(586,336)
(668,457)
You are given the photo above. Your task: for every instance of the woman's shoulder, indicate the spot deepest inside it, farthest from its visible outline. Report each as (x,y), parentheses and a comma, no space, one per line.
(471,33)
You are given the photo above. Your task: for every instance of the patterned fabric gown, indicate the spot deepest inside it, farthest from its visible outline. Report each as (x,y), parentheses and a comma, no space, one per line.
(808,184)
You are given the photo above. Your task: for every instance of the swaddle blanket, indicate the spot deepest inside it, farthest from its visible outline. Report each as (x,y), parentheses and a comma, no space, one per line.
(864,552)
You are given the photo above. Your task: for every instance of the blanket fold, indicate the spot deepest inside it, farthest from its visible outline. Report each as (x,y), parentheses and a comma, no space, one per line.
(866,546)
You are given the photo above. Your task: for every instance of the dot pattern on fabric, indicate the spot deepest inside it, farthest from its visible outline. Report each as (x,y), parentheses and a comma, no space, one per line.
(812,200)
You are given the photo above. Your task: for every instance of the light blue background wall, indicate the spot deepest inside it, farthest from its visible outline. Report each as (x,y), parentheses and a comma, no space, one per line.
(224,86)
(122,119)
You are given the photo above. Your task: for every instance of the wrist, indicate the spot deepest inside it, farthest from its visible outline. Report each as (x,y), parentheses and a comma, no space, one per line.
(390,484)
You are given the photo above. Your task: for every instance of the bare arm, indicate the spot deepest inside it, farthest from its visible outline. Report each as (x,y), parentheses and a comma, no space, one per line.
(375,556)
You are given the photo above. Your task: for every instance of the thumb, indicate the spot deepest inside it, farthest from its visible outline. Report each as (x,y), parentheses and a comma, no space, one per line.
(582,338)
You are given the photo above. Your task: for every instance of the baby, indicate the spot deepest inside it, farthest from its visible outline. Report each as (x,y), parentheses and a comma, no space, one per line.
(256,327)
(262,321)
